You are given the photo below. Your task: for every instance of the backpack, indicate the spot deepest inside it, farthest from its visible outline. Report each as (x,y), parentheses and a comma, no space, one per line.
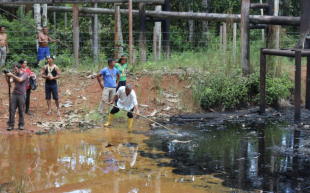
(33,84)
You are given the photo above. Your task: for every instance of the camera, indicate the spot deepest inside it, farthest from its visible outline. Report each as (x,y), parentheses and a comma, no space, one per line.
(5,71)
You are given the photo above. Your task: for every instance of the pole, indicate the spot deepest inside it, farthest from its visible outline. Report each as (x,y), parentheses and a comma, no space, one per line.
(245,33)
(166,29)
(130,30)
(263,31)
(297,84)
(95,35)
(234,39)
(262,89)
(9,82)
(221,37)
(142,32)
(154,44)
(308,85)
(224,36)
(116,7)
(76,34)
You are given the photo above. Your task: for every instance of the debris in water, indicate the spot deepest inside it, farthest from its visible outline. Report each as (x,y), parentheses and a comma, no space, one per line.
(177,141)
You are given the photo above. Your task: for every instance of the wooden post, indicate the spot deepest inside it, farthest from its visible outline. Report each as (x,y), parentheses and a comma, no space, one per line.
(37,20)
(263,31)
(276,13)
(154,44)
(142,32)
(66,18)
(44,15)
(245,33)
(158,34)
(130,30)
(54,20)
(116,7)
(221,37)
(95,35)
(191,29)
(76,37)
(308,84)
(166,30)
(234,39)
(224,37)
(28,7)
(297,84)
(262,88)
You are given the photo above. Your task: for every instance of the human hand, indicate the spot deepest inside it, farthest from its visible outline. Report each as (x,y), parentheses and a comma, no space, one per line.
(50,78)
(58,40)
(8,51)
(9,74)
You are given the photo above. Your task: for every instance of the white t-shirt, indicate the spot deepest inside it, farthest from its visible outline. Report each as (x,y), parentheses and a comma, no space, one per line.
(124,101)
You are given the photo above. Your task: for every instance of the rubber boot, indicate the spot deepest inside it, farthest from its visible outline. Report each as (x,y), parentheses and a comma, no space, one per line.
(130,121)
(110,119)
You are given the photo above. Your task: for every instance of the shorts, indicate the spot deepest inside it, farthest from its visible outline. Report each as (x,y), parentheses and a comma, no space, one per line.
(51,89)
(43,52)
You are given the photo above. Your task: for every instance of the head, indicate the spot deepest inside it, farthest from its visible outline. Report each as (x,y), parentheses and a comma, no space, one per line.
(128,89)
(122,60)
(2,28)
(45,30)
(17,68)
(111,62)
(23,63)
(50,59)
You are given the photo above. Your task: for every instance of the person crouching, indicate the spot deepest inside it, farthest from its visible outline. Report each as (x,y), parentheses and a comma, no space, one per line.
(127,100)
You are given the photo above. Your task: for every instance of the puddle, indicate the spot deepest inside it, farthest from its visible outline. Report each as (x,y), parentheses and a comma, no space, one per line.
(231,157)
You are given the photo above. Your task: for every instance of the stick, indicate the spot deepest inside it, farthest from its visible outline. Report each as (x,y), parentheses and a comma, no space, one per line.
(143,117)
(33,27)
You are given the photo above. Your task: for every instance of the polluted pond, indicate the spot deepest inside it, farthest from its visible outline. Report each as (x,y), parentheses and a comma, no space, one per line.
(253,153)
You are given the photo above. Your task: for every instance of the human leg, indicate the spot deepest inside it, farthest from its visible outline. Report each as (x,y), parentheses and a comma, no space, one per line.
(3,56)
(111,116)
(21,99)
(105,95)
(130,118)
(54,89)
(28,101)
(13,106)
(48,97)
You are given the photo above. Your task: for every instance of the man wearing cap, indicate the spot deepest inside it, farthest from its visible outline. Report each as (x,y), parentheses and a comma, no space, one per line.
(51,73)
(128,101)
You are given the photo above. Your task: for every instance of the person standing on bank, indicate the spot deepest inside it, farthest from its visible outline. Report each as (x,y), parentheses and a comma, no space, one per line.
(18,97)
(43,50)
(4,47)
(128,101)
(26,69)
(51,73)
(122,68)
(111,78)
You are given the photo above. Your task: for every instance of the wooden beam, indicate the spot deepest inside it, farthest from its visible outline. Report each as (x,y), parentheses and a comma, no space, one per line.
(75,1)
(245,36)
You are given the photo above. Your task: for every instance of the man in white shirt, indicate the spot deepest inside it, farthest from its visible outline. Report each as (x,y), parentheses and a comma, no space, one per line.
(127,100)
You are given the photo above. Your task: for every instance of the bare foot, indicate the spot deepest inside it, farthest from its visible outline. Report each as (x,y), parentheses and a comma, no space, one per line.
(58,113)
(49,112)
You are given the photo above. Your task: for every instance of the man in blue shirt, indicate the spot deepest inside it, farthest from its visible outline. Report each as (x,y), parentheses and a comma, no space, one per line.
(111,78)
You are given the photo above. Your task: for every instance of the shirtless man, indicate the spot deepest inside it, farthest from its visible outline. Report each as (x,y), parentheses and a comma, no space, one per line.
(4,48)
(43,50)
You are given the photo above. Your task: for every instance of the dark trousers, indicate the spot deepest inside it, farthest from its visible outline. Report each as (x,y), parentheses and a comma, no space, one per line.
(120,83)
(17,101)
(116,109)
(28,99)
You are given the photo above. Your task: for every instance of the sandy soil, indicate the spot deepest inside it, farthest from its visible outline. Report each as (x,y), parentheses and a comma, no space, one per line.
(158,96)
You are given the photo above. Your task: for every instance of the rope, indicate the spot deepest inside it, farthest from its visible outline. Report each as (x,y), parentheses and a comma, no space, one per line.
(144,117)
(33,26)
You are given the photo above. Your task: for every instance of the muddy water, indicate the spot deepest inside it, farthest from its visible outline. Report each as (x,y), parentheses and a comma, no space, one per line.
(229,157)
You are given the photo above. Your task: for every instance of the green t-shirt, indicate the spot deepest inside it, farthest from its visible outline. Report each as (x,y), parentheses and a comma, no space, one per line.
(122,70)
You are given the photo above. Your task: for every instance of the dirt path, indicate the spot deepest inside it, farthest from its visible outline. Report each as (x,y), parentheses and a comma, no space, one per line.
(157,95)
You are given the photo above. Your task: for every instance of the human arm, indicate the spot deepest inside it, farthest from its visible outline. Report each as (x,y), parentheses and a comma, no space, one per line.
(51,40)
(57,75)
(114,99)
(99,75)
(137,109)
(118,78)
(43,73)
(18,79)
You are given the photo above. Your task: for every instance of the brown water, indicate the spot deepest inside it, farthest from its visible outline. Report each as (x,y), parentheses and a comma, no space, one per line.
(74,161)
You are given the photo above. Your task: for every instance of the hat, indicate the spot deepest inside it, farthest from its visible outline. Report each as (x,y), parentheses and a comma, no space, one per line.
(51,56)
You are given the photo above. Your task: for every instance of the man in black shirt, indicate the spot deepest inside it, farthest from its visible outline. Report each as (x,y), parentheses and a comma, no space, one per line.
(51,73)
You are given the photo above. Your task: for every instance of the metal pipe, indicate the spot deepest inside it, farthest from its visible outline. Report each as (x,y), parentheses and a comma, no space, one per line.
(259,5)
(130,30)
(245,36)
(297,85)
(75,11)
(262,87)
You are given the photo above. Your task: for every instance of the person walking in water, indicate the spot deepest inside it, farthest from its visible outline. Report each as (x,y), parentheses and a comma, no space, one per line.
(111,78)
(30,74)
(128,101)
(43,50)
(4,47)
(51,73)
